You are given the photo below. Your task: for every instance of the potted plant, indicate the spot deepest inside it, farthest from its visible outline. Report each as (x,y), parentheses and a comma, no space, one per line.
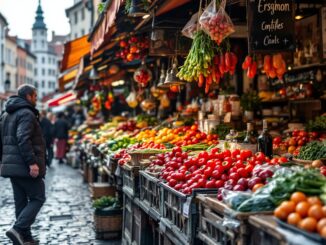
(107,217)
(250,102)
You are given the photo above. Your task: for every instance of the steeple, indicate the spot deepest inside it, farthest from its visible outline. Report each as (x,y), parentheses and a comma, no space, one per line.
(39,19)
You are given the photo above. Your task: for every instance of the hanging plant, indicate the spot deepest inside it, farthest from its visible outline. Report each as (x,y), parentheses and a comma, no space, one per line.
(100,7)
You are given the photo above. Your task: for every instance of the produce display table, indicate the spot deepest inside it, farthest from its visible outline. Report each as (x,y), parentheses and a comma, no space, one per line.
(265,230)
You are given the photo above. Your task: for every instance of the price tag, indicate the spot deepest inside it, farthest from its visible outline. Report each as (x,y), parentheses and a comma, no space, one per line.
(227,117)
(186,207)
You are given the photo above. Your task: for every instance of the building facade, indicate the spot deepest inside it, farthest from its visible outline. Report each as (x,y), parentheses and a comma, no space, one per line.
(10,64)
(25,63)
(3,27)
(46,69)
(80,18)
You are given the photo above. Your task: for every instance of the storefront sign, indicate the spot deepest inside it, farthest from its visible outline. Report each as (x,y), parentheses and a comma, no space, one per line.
(323,30)
(270,25)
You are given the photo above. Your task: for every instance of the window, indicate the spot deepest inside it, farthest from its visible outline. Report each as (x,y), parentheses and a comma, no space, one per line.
(35,72)
(42,33)
(35,84)
(43,60)
(49,60)
(42,43)
(82,32)
(43,84)
(76,17)
(83,14)
(49,72)
(76,35)
(43,71)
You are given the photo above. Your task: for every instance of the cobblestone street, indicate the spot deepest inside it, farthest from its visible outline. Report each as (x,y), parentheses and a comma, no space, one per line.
(66,217)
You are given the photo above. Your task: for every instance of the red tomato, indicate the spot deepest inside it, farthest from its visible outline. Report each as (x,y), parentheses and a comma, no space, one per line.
(235,152)
(219,183)
(210,184)
(216,174)
(277,140)
(249,168)
(208,172)
(274,161)
(260,156)
(242,172)
(226,153)
(226,165)
(282,160)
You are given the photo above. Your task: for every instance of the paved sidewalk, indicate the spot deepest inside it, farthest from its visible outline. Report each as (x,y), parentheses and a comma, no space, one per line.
(67,216)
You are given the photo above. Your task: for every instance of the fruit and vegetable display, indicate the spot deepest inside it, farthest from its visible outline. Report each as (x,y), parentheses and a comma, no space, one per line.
(317,125)
(313,151)
(304,212)
(106,202)
(132,48)
(274,66)
(295,141)
(250,64)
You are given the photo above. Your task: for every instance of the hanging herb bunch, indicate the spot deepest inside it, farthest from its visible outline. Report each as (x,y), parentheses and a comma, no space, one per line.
(209,59)
(132,48)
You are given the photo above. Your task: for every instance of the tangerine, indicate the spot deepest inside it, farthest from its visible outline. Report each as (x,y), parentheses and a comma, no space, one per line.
(323,232)
(294,219)
(308,224)
(316,211)
(288,206)
(314,200)
(321,224)
(302,208)
(298,197)
(280,213)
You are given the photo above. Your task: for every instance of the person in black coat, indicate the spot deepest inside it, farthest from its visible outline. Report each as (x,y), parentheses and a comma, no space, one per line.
(61,128)
(23,160)
(48,131)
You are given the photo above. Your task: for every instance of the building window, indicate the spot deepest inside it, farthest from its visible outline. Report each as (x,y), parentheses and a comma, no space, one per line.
(83,14)
(43,60)
(76,17)
(42,33)
(49,72)
(35,72)
(42,43)
(43,71)
(76,35)
(43,84)
(82,32)
(49,60)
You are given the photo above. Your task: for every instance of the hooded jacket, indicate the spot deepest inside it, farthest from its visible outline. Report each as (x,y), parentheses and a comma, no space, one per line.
(21,138)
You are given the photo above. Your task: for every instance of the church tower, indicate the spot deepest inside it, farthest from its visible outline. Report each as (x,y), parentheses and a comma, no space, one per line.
(39,32)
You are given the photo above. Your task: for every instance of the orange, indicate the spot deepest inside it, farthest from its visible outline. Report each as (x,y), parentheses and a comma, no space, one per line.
(324,210)
(308,224)
(298,197)
(294,219)
(288,206)
(323,232)
(280,213)
(316,212)
(302,208)
(321,224)
(314,200)
(257,186)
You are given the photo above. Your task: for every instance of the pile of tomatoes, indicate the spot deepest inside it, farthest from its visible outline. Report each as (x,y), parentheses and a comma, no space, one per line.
(293,143)
(232,170)
(307,213)
(132,48)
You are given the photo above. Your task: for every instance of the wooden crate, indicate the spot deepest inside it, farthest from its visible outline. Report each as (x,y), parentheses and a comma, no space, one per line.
(150,195)
(179,212)
(219,224)
(130,177)
(137,229)
(108,224)
(98,190)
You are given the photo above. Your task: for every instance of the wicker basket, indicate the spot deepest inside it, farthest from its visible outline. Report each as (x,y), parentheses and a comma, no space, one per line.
(108,224)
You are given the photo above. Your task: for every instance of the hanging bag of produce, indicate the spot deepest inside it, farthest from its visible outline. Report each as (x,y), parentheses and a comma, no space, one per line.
(216,23)
(189,30)
(131,100)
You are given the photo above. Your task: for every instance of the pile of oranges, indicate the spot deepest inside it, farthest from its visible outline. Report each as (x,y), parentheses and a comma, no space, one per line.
(307,213)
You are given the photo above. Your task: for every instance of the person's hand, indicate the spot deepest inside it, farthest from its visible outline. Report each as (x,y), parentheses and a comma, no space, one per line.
(34,170)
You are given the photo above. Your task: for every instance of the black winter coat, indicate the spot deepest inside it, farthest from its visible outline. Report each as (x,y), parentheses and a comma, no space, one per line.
(61,128)
(48,131)
(22,140)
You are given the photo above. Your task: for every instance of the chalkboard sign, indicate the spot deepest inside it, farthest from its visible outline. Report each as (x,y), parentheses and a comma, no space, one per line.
(271,25)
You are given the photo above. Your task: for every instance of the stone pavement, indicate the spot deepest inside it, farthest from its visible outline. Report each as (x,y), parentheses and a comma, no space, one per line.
(67,216)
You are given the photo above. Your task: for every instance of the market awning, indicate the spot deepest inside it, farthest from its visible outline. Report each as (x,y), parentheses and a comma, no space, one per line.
(67,77)
(63,99)
(104,24)
(169,5)
(74,51)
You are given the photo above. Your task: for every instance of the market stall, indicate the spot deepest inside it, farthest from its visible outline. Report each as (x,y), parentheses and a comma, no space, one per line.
(201,133)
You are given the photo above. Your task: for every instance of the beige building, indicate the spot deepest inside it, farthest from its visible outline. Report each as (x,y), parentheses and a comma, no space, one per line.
(10,64)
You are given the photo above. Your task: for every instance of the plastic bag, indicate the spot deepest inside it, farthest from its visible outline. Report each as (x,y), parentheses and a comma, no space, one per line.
(131,100)
(190,28)
(217,24)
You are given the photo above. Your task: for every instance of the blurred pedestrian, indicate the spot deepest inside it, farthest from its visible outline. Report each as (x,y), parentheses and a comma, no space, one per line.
(61,128)
(23,160)
(48,131)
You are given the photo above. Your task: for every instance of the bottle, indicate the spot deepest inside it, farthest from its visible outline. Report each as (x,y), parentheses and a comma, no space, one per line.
(250,136)
(265,141)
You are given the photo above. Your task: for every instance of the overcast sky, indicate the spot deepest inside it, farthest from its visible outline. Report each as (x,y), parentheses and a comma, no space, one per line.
(20,15)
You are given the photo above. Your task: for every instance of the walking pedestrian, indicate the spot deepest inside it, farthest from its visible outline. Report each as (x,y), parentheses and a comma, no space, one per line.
(47,129)
(61,128)
(23,160)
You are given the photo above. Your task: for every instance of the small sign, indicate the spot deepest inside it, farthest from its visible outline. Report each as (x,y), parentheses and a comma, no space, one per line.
(186,207)
(270,25)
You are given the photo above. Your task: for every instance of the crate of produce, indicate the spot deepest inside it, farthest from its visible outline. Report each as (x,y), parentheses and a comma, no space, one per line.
(219,224)
(150,194)
(130,175)
(137,229)
(138,157)
(108,224)
(98,190)
(179,212)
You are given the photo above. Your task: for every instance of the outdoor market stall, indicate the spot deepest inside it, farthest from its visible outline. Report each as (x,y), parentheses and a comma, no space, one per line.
(199,132)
